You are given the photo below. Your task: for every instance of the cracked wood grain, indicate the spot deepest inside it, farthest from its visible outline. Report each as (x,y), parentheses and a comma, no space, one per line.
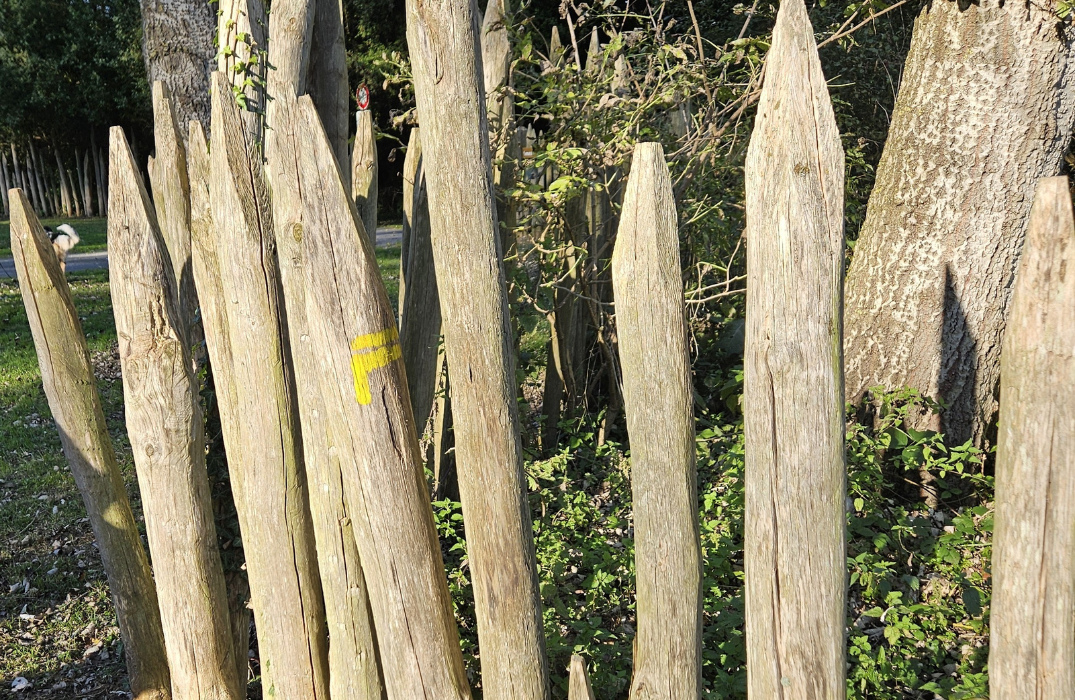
(793,407)
(449,87)
(364,173)
(1031,646)
(349,316)
(279,539)
(167,434)
(658,400)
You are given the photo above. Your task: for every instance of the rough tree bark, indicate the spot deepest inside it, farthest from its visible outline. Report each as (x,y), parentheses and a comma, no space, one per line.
(166,430)
(364,388)
(327,79)
(443,41)
(5,184)
(241,32)
(87,191)
(364,173)
(171,199)
(205,267)
(793,406)
(658,398)
(1031,648)
(281,561)
(177,46)
(353,664)
(69,384)
(985,108)
(65,190)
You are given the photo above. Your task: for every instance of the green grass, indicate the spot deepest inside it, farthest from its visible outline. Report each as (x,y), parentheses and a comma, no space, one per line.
(71,637)
(93,234)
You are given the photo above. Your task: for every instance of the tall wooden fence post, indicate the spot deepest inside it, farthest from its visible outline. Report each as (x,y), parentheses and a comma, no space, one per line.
(364,173)
(364,388)
(354,672)
(658,399)
(410,176)
(793,395)
(206,271)
(69,384)
(1031,646)
(289,611)
(165,427)
(479,346)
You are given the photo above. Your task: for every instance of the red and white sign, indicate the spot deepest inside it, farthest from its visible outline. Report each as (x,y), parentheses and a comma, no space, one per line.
(363,96)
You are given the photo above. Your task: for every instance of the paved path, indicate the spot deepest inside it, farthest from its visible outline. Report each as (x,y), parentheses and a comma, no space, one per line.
(77,262)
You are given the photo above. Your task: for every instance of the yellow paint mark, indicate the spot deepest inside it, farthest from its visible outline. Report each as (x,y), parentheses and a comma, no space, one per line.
(383,349)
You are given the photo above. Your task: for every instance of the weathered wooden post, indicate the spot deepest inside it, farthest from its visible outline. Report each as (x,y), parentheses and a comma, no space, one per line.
(241,43)
(171,199)
(364,388)
(579,680)
(205,268)
(166,430)
(278,540)
(364,173)
(354,673)
(68,380)
(1031,645)
(326,80)
(793,397)
(658,399)
(478,343)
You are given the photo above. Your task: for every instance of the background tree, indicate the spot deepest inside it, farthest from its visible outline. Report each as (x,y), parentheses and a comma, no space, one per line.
(177,44)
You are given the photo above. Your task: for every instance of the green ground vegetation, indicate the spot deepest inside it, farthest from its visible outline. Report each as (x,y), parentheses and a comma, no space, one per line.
(92,234)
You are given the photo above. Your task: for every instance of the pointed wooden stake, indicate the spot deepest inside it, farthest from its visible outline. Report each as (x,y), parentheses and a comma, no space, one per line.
(364,387)
(278,536)
(1031,648)
(658,399)
(71,389)
(793,399)
(579,683)
(364,173)
(166,429)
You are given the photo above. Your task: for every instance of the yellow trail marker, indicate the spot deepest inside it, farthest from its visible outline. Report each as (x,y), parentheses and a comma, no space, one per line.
(383,349)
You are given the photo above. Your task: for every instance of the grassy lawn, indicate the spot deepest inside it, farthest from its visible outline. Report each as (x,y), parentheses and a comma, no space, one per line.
(93,233)
(57,626)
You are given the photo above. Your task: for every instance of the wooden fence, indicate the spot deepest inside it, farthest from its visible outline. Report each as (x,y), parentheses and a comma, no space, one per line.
(323,397)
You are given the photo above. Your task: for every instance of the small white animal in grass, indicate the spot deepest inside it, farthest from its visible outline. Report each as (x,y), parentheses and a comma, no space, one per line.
(64,238)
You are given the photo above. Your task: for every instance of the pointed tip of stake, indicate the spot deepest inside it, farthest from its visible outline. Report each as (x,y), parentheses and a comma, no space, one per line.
(579,687)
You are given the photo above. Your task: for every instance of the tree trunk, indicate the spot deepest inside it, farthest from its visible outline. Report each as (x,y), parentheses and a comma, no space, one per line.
(5,184)
(165,426)
(171,197)
(289,610)
(241,57)
(364,174)
(420,325)
(87,193)
(65,191)
(354,669)
(177,45)
(658,399)
(327,79)
(100,169)
(986,107)
(67,376)
(205,264)
(478,342)
(793,406)
(365,393)
(410,178)
(1032,649)
(38,173)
